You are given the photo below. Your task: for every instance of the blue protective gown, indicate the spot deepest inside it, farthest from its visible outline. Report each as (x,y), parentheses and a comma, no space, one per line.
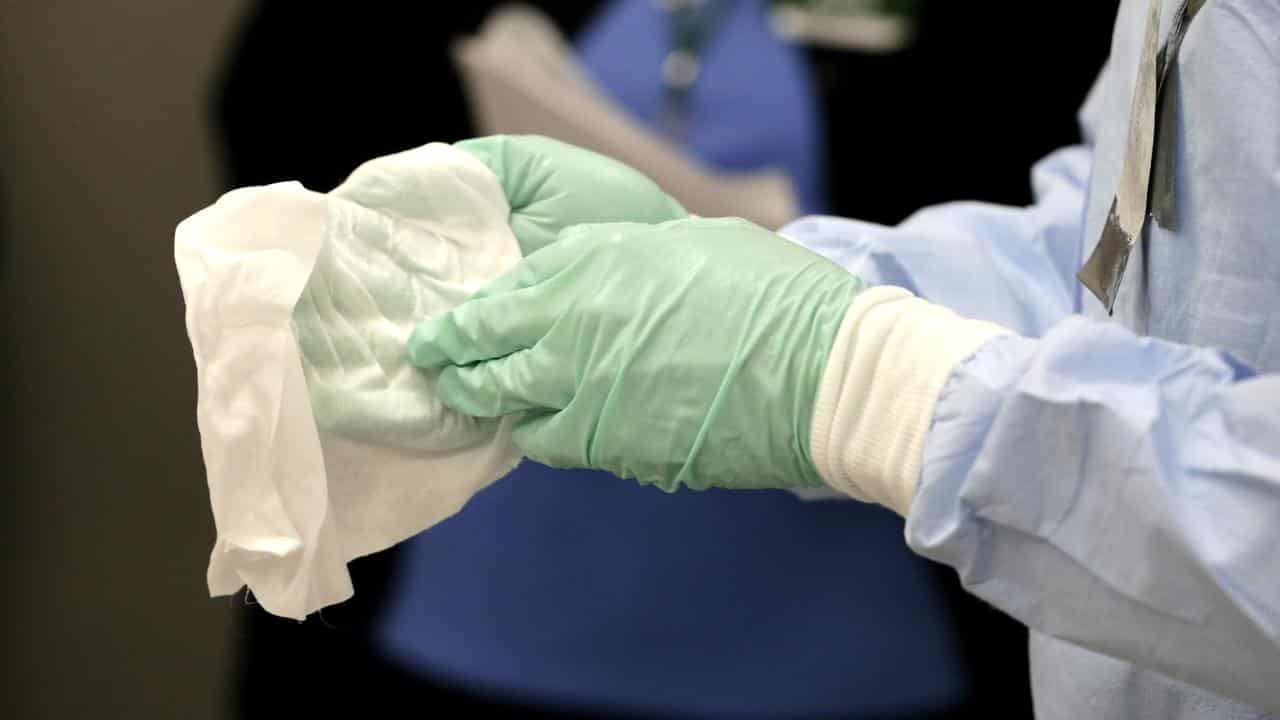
(1114,483)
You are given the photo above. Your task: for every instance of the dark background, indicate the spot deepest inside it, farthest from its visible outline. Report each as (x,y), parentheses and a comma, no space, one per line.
(119,119)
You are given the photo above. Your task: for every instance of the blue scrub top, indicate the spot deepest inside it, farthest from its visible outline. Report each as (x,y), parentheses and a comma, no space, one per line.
(576,589)
(753,105)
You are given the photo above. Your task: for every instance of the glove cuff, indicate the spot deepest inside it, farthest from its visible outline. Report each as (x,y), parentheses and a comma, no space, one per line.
(888,364)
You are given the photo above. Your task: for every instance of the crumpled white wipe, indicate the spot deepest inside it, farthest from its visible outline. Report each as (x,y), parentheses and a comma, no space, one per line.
(321,442)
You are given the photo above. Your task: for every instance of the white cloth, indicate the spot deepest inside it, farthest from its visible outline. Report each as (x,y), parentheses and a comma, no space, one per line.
(890,359)
(321,442)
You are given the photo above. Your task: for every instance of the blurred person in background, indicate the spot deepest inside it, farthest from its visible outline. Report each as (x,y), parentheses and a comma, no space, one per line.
(519,604)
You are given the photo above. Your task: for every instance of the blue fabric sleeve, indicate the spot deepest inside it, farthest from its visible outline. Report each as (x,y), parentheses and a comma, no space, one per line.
(1117,492)
(1011,265)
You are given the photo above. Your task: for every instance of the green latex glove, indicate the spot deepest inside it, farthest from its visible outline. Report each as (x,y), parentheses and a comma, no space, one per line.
(687,353)
(553,185)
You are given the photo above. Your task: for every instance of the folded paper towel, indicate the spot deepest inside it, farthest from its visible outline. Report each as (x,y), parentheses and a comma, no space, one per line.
(321,442)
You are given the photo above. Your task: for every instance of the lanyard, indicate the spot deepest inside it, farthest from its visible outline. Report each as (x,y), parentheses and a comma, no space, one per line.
(693,23)
(1144,184)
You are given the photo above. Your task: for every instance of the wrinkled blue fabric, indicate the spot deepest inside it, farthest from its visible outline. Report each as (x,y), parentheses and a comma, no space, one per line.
(1114,483)
(574,588)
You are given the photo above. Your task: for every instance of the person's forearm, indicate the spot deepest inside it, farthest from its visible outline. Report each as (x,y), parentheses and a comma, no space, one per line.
(1121,493)
(1010,265)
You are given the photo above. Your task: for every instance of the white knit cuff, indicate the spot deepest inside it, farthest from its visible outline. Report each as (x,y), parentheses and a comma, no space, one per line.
(891,357)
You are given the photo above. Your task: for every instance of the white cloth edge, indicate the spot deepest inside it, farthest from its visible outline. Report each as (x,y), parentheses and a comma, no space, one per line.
(293,548)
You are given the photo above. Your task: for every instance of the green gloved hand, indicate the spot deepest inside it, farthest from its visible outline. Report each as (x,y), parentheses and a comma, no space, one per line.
(553,185)
(687,353)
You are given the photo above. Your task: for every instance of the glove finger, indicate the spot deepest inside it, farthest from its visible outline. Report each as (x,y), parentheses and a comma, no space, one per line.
(483,329)
(524,173)
(510,314)
(551,185)
(525,381)
(527,167)
(538,267)
(551,439)
(504,156)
